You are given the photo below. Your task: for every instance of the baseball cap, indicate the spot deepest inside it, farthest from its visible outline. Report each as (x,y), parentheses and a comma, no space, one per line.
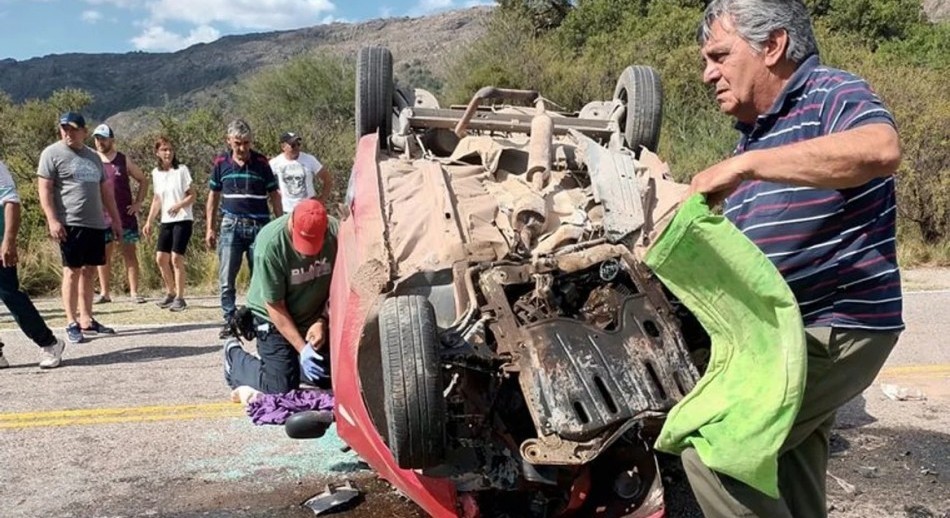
(289,137)
(309,221)
(72,119)
(103,130)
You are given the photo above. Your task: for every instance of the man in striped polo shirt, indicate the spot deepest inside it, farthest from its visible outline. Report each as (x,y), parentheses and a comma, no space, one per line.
(241,183)
(812,184)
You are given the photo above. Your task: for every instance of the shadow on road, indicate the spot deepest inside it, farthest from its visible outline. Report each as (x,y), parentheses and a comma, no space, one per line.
(58,314)
(854,414)
(168,329)
(140,355)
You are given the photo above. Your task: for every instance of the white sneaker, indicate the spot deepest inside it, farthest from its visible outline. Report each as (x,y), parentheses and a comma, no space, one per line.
(244,395)
(52,355)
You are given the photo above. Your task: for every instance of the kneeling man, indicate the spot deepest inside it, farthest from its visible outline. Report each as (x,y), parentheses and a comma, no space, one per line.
(290,287)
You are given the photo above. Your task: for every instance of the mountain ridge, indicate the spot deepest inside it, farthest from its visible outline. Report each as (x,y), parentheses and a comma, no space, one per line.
(120,82)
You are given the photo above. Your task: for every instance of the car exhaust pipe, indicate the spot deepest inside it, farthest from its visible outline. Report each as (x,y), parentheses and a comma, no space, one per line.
(490,92)
(539,148)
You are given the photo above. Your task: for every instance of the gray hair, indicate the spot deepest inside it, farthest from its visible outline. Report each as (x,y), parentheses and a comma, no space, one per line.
(238,128)
(755,20)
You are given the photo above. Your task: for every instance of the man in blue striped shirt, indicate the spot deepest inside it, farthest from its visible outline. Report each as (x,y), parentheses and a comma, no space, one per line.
(812,184)
(241,183)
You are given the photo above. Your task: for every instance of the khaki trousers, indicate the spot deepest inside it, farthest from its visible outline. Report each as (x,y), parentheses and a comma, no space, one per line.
(841,364)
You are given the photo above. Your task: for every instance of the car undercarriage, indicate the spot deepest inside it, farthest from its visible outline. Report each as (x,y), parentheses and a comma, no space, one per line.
(525,353)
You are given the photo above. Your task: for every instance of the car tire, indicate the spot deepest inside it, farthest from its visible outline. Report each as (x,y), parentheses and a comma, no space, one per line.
(374,92)
(308,424)
(412,381)
(640,90)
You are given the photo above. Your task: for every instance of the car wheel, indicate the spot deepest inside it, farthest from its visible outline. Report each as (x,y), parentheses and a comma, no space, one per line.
(412,381)
(374,92)
(639,89)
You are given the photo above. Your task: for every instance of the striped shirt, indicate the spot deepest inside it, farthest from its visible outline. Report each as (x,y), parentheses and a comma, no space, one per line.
(835,248)
(244,189)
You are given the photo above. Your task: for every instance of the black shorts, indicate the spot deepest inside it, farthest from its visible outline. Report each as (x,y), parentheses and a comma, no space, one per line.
(174,237)
(84,246)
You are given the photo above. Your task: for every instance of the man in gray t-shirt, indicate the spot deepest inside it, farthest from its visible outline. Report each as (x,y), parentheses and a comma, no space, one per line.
(73,193)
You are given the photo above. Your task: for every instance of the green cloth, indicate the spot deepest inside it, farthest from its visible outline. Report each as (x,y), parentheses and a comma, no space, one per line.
(741,410)
(280,273)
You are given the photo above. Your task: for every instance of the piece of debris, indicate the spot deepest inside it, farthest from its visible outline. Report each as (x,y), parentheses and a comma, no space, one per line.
(917,511)
(845,486)
(899,393)
(868,471)
(928,471)
(332,498)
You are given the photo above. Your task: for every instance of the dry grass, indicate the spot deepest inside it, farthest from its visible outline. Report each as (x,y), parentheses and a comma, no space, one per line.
(40,272)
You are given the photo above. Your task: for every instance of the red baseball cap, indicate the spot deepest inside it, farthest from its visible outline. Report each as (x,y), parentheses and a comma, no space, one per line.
(309,221)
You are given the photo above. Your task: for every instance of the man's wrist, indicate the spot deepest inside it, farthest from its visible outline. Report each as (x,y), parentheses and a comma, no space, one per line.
(747,164)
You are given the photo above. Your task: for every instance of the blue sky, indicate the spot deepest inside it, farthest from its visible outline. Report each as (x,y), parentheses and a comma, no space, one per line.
(33,28)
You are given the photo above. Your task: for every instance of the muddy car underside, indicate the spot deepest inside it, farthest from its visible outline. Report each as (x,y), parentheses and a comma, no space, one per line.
(526,353)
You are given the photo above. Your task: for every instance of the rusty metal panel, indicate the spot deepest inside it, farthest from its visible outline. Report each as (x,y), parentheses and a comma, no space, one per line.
(582,380)
(613,177)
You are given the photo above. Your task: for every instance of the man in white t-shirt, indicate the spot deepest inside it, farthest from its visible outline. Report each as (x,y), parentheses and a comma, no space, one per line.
(299,175)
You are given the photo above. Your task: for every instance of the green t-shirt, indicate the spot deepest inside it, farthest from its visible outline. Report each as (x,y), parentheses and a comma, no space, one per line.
(280,273)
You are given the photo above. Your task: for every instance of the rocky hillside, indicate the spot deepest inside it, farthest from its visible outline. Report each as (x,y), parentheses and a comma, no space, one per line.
(937,10)
(120,82)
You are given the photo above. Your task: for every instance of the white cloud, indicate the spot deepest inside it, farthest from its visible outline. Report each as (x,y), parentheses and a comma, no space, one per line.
(158,38)
(242,14)
(479,3)
(114,3)
(91,16)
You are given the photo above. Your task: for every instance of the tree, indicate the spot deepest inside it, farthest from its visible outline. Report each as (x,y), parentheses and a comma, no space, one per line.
(544,14)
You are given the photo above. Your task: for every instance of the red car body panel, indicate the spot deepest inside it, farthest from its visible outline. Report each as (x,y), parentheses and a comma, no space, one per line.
(361,239)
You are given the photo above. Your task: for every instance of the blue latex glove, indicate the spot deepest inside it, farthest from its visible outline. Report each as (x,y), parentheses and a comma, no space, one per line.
(313,365)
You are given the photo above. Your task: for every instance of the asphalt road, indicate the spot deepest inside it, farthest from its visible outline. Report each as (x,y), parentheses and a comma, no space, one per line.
(139,424)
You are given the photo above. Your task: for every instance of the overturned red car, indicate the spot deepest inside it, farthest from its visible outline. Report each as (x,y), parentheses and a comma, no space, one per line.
(498,347)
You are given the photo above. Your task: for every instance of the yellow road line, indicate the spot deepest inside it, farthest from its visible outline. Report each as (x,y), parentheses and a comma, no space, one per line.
(93,416)
(916,370)
(140,410)
(145,414)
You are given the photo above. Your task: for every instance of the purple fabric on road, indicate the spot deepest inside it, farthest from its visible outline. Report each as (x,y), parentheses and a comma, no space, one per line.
(276,408)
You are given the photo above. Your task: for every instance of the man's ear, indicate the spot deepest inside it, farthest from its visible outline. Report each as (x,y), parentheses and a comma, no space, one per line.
(775,47)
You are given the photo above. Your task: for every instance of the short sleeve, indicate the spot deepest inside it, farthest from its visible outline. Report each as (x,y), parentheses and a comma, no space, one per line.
(46,167)
(315,164)
(8,192)
(851,104)
(214,180)
(185,178)
(271,271)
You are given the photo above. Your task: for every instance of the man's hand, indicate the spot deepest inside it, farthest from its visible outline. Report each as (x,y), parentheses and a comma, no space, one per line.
(210,238)
(57,231)
(117,231)
(8,253)
(720,180)
(134,209)
(147,229)
(312,364)
(317,334)
(174,209)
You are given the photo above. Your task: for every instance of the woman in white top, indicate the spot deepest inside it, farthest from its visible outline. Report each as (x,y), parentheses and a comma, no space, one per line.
(174,196)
